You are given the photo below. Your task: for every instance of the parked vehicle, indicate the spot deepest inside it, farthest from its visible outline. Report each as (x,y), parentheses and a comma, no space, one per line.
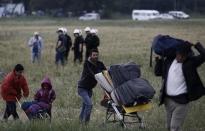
(38,13)
(90,16)
(2,13)
(15,9)
(166,16)
(145,14)
(179,14)
(8,10)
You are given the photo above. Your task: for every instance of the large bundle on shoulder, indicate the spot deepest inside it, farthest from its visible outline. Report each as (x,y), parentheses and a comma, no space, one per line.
(165,46)
(126,87)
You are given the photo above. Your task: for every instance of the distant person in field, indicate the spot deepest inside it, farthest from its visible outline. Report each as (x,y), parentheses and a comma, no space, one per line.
(60,48)
(83,41)
(81,36)
(68,44)
(78,46)
(11,90)
(87,82)
(36,45)
(182,83)
(43,100)
(87,42)
(95,42)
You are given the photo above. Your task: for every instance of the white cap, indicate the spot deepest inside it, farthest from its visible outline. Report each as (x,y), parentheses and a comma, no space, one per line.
(76,31)
(96,31)
(36,33)
(80,32)
(60,29)
(65,30)
(93,31)
(87,29)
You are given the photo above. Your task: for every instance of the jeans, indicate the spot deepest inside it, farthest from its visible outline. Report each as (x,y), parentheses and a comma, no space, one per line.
(78,56)
(10,110)
(59,58)
(66,54)
(35,56)
(86,104)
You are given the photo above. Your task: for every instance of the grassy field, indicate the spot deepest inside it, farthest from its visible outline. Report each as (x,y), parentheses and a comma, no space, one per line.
(121,41)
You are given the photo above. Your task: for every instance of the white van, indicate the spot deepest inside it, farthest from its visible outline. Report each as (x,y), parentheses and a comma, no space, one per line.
(145,14)
(179,14)
(2,12)
(90,16)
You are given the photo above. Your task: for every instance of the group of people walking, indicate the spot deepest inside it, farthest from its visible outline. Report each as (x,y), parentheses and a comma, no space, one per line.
(64,44)
(14,86)
(181,81)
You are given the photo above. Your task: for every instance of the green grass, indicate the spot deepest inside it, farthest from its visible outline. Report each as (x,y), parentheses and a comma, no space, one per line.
(121,41)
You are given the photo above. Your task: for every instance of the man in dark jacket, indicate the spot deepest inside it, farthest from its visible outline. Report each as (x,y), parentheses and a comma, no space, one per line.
(87,82)
(60,47)
(181,83)
(88,41)
(95,42)
(78,46)
(68,44)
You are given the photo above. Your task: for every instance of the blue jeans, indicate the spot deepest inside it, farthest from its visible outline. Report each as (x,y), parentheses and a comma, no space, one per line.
(35,56)
(86,104)
(59,58)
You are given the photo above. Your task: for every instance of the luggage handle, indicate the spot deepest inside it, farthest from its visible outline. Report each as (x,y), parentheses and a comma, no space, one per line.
(18,102)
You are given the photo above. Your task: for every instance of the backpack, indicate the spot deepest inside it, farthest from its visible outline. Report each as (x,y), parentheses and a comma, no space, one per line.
(35,47)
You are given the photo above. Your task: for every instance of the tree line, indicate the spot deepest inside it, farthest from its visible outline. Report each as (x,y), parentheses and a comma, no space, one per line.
(108,7)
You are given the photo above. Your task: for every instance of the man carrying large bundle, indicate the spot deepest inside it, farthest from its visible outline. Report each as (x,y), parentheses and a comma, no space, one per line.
(87,82)
(181,82)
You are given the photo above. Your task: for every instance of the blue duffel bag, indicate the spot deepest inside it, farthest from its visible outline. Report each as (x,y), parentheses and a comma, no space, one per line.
(165,46)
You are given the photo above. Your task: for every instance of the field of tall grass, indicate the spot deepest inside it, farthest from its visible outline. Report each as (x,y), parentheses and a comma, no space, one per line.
(121,41)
